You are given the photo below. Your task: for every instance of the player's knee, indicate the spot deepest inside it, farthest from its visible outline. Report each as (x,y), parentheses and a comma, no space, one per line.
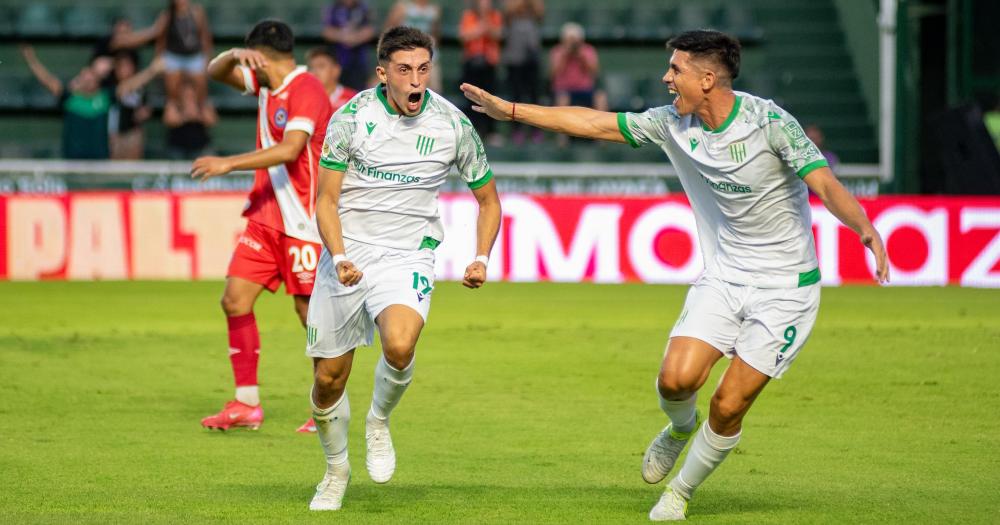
(399,360)
(398,351)
(234,305)
(728,409)
(675,387)
(330,381)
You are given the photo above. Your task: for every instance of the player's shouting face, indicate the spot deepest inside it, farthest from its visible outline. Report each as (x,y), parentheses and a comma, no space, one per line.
(690,80)
(405,75)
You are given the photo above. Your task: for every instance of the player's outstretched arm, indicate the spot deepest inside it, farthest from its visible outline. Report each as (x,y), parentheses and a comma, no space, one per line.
(284,152)
(576,121)
(846,208)
(487,227)
(223,68)
(328,221)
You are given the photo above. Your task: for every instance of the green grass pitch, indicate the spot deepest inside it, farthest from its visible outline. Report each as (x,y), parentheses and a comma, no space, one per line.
(532,403)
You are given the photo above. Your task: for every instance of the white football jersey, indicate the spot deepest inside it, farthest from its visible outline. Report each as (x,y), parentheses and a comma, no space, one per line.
(394,165)
(743,180)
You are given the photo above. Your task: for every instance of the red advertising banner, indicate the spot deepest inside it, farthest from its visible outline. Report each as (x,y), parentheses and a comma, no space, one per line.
(123,235)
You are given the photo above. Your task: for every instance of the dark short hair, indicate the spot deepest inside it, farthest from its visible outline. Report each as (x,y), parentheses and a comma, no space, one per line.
(320,51)
(272,34)
(403,38)
(713,45)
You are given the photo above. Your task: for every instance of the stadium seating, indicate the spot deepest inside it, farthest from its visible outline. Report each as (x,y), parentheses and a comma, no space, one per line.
(792,54)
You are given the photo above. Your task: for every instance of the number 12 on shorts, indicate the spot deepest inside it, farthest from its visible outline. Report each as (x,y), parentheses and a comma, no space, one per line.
(421,284)
(790,333)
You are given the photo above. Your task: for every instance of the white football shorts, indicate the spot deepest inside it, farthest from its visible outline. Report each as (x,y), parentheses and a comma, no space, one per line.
(765,327)
(342,318)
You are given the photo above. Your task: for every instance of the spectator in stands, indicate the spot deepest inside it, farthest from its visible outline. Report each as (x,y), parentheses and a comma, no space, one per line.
(184,42)
(816,136)
(122,38)
(187,125)
(324,66)
(348,29)
(574,68)
(425,16)
(521,50)
(84,104)
(480,31)
(128,109)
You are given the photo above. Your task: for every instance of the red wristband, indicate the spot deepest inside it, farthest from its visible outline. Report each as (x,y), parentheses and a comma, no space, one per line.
(513,112)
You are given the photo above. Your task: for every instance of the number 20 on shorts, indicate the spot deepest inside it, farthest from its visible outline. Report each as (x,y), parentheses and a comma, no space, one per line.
(303,258)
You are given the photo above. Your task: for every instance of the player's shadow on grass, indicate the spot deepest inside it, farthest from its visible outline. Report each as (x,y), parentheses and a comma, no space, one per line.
(364,497)
(713,501)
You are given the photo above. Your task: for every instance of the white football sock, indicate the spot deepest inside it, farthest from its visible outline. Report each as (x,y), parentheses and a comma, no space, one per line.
(390,384)
(682,414)
(707,451)
(248,395)
(331,426)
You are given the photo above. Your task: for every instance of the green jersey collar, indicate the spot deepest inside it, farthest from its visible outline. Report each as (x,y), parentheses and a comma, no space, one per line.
(729,119)
(380,92)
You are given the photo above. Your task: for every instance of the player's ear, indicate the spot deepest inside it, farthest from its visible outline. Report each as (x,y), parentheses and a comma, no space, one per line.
(380,73)
(708,79)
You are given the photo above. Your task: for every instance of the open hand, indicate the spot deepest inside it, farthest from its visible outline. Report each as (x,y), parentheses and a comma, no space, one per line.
(348,274)
(205,168)
(483,102)
(250,58)
(873,241)
(475,275)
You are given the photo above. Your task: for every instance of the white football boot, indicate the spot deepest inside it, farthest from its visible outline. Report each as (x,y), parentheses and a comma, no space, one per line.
(671,507)
(381,457)
(330,491)
(662,453)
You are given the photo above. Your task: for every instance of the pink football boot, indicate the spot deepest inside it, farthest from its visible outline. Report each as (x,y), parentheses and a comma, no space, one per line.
(308,426)
(235,414)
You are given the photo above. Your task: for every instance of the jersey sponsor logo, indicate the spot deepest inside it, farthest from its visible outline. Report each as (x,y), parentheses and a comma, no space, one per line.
(424,145)
(280,118)
(738,151)
(694,144)
(795,135)
(375,173)
(371,127)
(727,187)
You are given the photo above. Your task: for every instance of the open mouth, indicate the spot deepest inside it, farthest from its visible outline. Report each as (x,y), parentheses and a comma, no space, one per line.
(677,96)
(413,100)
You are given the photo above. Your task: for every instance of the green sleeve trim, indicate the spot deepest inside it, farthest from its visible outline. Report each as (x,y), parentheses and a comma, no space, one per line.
(809,278)
(476,184)
(623,127)
(331,165)
(812,166)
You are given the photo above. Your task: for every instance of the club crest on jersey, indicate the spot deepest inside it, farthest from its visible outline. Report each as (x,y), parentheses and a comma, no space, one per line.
(425,145)
(280,118)
(738,151)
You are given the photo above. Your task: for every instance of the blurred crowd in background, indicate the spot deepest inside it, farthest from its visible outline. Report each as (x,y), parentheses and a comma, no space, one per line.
(105,106)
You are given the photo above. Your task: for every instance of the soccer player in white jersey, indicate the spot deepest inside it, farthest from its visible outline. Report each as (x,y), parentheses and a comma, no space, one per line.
(386,154)
(746,167)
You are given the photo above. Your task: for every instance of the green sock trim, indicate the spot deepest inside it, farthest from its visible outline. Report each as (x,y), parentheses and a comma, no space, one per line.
(687,435)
